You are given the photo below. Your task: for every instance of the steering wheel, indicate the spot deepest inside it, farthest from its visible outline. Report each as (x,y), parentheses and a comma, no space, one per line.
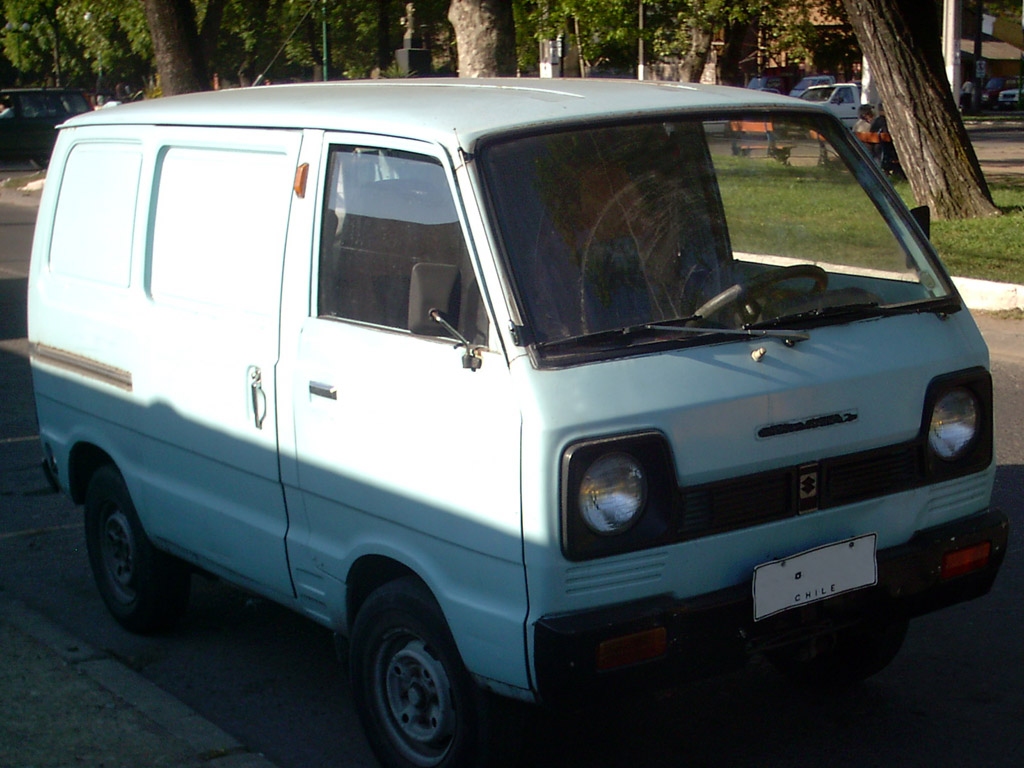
(748,296)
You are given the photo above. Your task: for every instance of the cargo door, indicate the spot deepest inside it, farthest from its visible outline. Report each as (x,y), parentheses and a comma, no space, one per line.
(219,220)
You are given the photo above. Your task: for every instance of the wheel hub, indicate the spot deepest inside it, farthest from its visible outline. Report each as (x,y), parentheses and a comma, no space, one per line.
(118,554)
(417,695)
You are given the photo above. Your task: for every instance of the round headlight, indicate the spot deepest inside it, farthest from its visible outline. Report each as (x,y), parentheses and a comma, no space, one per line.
(954,424)
(612,493)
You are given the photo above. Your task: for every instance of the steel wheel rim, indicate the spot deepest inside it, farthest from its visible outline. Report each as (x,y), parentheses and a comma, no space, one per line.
(412,694)
(117,548)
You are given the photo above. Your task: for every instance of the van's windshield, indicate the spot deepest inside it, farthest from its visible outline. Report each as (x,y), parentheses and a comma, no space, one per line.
(728,223)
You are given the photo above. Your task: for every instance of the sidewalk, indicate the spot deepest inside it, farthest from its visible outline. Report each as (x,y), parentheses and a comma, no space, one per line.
(66,704)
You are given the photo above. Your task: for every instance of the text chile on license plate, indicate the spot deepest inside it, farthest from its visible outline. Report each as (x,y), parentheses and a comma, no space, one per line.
(814,575)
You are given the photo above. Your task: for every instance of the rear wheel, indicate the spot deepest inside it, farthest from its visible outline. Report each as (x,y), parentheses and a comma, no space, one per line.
(146,590)
(845,658)
(418,704)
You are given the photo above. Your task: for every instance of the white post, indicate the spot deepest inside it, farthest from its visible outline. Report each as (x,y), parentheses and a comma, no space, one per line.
(868,91)
(951,44)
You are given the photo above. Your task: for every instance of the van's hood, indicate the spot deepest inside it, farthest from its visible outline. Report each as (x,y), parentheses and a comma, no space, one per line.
(729,410)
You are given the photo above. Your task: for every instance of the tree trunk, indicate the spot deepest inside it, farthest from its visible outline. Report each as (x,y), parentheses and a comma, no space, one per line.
(901,39)
(384,47)
(732,52)
(696,55)
(177,46)
(485,36)
(211,27)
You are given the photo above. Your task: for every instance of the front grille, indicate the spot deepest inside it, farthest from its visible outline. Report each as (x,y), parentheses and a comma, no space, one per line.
(768,496)
(737,503)
(864,476)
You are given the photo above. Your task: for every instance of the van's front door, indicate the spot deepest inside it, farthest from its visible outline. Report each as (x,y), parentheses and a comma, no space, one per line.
(219,220)
(402,453)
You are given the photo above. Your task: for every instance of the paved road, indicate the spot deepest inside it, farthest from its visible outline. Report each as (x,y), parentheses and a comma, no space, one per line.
(953,697)
(1000,149)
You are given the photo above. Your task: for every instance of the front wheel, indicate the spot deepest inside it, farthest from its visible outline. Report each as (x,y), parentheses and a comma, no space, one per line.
(146,590)
(417,703)
(845,658)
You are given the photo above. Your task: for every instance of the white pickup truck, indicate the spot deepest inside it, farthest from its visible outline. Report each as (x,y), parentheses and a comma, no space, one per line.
(842,100)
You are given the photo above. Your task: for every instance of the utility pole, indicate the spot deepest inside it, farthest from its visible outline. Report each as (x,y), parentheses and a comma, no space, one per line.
(978,75)
(640,51)
(323,26)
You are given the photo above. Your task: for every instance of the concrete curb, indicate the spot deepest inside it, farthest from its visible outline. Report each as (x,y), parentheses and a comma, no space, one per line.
(989,296)
(209,744)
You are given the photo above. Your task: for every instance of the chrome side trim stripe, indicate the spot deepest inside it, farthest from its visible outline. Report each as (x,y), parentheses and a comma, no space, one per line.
(84,366)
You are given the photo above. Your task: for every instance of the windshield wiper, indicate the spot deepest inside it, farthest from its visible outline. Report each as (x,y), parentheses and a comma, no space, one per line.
(616,334)
(844,312)
(790,337)
(673,326)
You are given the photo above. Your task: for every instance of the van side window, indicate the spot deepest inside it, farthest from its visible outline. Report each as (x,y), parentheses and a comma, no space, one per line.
(94,223)
(384,212)
(219,225)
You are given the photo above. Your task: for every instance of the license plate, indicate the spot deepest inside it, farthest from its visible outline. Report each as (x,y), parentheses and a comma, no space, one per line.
(814,575)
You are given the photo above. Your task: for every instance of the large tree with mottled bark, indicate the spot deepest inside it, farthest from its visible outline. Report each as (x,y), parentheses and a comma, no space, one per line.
(902,41)
(485,36)
(177,47)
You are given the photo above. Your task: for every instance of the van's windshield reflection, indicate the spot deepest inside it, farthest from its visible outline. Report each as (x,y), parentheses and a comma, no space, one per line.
(728,224)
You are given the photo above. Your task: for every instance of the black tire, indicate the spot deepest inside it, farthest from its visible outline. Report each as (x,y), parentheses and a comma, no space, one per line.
(418,705)
(843,659)
(146,590)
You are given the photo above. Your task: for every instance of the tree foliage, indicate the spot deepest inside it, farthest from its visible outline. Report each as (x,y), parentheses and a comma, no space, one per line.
(240,39)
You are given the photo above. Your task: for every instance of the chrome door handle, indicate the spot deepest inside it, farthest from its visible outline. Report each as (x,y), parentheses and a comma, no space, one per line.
(323,390)
(259,399)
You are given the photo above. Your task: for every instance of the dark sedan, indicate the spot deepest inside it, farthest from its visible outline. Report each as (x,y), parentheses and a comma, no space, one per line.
(29,118)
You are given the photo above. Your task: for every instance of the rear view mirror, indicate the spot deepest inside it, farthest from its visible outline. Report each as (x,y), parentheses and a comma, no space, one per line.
(433,287)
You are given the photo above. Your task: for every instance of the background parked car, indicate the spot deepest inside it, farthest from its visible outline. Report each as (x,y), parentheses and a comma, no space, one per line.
(994,86)
(810,81)
(1009,98)
(842,100)
(770,83)
(28,127)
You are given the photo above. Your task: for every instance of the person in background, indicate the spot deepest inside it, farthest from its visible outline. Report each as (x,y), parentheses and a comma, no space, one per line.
(865,115)
(966,96)
(886,157)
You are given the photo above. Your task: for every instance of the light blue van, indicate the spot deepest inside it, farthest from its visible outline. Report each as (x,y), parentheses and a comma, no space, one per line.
(527,389)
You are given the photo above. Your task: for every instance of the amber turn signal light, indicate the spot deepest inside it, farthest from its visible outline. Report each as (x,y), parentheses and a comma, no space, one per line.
(961,561)
(632,649)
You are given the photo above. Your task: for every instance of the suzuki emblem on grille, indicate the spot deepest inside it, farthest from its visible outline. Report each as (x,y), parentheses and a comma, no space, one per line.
(807,486)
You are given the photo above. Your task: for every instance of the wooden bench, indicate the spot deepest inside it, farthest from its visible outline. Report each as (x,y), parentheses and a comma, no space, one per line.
(759,136)
(879,144)
(866,137)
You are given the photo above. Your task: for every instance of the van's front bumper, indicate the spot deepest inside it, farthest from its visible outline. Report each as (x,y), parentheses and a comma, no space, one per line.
(711,633)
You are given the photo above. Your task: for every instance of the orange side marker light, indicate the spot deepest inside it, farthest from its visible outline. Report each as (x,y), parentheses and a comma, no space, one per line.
(961,561)
(301,174)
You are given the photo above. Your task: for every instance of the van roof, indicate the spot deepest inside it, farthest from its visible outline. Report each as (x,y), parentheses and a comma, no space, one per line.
(449,111)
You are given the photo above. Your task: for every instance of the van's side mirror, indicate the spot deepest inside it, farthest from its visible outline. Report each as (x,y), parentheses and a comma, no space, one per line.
(923,216)
(433,287)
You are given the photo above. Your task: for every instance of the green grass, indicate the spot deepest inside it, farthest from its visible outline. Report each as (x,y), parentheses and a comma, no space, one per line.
(836,221)
(990,248)
(16,182)
(803,211)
